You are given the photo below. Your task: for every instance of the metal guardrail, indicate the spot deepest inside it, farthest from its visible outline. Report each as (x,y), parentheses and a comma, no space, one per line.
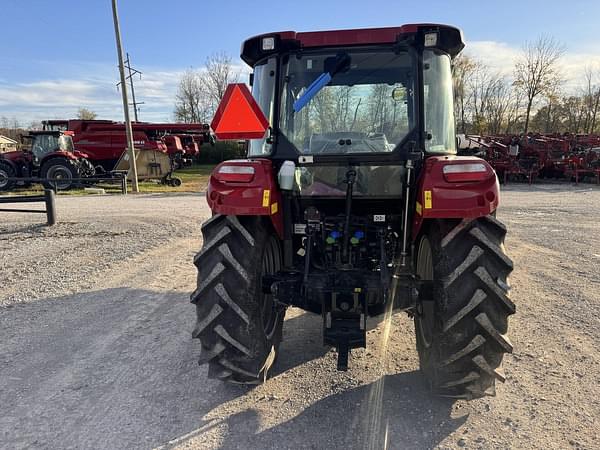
(97,181)
(47,198)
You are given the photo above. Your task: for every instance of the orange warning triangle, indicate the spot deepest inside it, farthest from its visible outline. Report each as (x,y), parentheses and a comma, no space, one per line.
(238,115)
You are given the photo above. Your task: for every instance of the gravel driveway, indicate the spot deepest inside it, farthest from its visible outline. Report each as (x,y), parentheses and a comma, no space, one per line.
(96,348)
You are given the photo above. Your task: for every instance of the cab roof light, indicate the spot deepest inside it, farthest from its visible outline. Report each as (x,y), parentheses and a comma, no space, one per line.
(268,43)
(431,39)
(235,173)
(456,173)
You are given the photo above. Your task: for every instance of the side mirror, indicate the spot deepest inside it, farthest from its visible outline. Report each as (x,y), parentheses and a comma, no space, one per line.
(251,79)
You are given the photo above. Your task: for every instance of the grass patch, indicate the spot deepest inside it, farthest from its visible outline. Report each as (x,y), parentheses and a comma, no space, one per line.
(194,179)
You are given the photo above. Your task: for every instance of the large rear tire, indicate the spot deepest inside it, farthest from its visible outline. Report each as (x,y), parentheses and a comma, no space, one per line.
(6,171)
(61,169)
(240,328)
(461,336)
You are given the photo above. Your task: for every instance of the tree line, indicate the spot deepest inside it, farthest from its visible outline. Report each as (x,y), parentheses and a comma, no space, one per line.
(200,91)
(532,99)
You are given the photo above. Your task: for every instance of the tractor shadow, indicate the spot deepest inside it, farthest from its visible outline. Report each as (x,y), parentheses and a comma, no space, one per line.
(392,412)
(302,342)
(395,411)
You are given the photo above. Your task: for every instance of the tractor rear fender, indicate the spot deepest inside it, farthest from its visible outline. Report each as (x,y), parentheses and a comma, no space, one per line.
(79,154)
(246,187)
(455,187)
(59,154)
(14,163)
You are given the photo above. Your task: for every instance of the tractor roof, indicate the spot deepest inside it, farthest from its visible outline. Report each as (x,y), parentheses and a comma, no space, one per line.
(49,133)
(450,39)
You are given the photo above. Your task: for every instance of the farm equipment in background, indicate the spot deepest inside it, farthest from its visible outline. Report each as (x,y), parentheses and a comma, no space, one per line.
(584,163)
(104,142)
(46,155)
(503,154)
(352,212)
(525,158)
(182,148)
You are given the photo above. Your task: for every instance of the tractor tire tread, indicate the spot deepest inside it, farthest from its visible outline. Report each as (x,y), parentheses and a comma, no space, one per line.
(470,338)
(228,325)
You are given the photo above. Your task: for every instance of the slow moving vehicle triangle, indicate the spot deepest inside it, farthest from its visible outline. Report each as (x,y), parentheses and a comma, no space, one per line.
(239,116)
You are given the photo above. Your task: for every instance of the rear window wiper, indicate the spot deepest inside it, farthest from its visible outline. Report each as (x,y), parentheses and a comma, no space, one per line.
(333,65)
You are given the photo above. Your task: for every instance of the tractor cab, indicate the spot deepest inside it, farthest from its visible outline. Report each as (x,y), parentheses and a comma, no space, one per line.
(359,102)
(352,203)
(41,144)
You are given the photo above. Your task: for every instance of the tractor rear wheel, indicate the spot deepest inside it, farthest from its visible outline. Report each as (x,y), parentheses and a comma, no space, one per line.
(62,170)
(6,171)
(461,335)
(239,327)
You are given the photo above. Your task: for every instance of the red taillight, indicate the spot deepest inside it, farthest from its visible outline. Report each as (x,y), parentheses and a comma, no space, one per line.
(456,173)
(237,174)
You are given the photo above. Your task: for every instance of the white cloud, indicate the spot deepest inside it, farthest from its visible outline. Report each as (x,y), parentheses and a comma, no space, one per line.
(93,86)
(501,58)
(60,98)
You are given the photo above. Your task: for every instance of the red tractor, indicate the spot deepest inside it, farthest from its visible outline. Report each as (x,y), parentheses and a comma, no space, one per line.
(353,204)
(47,155)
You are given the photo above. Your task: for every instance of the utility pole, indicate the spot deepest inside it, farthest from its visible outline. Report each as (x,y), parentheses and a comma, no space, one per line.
(130,149)
(132,72)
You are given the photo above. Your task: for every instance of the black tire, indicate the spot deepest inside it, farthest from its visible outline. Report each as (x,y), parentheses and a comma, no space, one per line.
(461,336)
(7,171)
(240,328)
(62,168)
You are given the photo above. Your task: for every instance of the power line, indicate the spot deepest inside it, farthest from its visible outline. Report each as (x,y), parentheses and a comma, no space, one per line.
(129,77)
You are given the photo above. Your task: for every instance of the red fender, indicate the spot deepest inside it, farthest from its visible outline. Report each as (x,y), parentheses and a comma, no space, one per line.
(438,198)
(61,154)
(255,194)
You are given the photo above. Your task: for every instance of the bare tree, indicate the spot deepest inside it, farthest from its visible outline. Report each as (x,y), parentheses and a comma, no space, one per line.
(218,72)
(483,87)
(190,104)
(513,113)
(200,91)
(86,114)
(11,127)
(462,69)
(498,104)
(35,125)
(591,97)
(536,72)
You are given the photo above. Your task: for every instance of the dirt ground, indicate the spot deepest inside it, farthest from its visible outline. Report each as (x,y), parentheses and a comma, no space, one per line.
(96,349)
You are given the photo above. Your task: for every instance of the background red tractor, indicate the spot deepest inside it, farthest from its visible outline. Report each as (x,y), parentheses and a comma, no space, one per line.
(352,204)
(47,155)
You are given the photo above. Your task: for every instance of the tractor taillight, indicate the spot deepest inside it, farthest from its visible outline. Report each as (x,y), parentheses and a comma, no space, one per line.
(456,173)
(239,174)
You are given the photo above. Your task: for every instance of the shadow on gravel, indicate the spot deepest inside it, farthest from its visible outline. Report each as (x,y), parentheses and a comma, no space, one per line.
(6,229)
(393,412)
(114,368)
(302,342)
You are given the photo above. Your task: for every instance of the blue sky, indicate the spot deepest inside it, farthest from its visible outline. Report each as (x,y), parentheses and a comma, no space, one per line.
(60,54)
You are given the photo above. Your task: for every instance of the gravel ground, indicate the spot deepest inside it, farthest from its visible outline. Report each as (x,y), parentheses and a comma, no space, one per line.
(96,351)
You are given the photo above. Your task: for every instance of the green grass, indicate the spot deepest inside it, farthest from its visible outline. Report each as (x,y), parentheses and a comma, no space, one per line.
(194,179)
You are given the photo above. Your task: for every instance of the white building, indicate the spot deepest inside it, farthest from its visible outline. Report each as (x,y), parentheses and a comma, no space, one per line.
(7,144)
